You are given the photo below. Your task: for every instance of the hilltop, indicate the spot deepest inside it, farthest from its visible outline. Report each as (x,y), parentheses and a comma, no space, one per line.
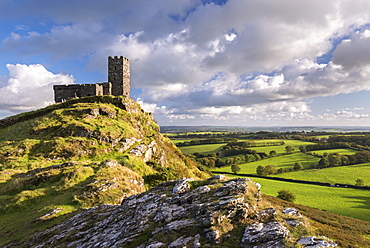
(79,154)
(96,172)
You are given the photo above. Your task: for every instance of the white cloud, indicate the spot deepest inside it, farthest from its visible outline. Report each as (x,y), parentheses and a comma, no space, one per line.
(29,87)
(243,59)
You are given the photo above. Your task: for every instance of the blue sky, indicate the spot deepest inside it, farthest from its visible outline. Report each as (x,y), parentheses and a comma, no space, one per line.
(193,62)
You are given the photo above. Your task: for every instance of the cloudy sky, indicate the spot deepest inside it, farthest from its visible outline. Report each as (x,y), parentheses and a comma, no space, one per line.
(196,62)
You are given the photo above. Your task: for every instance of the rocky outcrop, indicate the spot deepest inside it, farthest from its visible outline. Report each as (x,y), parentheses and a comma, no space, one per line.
(316,242)
(269,234)
(179,213)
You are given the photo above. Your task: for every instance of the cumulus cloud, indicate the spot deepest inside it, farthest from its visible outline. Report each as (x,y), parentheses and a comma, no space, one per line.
(354,53)
(199,59)
(28,87)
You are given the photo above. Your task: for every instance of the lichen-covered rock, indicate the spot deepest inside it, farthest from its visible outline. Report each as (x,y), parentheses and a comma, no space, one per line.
(316,242)
(139,150)
(292,212)
(127,143)
(266,214)
(173,214)
(294,223)
(182,186)
(264,235)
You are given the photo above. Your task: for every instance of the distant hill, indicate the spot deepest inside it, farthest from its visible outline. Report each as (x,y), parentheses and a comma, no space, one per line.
(183,129)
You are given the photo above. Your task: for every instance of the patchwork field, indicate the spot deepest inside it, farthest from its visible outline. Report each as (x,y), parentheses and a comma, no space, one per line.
(212,148)
(345,151)
(286,162)
(203,149)
(348,202)
(343,174)
(344,201)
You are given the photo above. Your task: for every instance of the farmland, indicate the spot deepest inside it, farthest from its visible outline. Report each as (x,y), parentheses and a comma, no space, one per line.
(211,148)
(286,162)
(339,151)
(344,201)
(343,174)
(348,202)
(203,149)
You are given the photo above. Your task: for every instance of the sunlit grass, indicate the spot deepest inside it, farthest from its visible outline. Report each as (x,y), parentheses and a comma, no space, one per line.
(286,161)
(347,202)
(343,174)
(344,151)
(203,149)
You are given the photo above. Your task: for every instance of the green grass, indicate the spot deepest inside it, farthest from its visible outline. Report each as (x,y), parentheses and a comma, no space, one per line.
(353,203)
(281,149)
(213,148)
(175,141)
(20,221)
(203,149)
(286,161)
(322,136)
(342,174)
(343,151)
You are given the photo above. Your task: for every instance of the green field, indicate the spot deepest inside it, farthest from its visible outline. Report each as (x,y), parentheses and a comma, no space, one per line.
(175,141)
(322,136)
(286,162)
(344,151)
(203,149)
(343,174)
(353,203)
(212,148)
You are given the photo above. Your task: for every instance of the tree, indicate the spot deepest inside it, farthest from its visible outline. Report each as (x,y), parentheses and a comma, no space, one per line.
(211,163)
(229,161)
(298,166)
(334,160)
(286,195)
(261,171)
(237,160)
(324,162)
(258,157)
(270,169)
(302,149)
(247,158)
(289,149)
(360,182)
(235,168)
(273,153)
(280,171)
(344,159)
(363,156)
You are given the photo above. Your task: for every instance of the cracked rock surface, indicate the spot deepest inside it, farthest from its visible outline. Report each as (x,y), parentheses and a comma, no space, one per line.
(177,213)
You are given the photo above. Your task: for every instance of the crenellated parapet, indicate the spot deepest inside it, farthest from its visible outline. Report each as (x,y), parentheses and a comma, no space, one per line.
(118,83)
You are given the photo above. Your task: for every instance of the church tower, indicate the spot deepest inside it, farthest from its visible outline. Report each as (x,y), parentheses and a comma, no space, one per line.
(119,75)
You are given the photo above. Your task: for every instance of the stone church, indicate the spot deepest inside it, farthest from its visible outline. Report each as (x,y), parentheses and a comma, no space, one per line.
(118,83)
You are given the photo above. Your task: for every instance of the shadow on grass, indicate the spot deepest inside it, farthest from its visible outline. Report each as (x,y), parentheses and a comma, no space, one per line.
(20,220)
(363,202)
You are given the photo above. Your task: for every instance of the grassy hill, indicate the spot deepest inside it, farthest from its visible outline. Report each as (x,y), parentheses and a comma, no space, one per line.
(92,153)
(79,154)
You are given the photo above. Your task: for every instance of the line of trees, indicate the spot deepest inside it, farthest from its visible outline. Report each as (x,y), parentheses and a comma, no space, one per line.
(237,150)
(325,146)
(206,141)
(335,159)
(213,160)
(362,140)
(255,144)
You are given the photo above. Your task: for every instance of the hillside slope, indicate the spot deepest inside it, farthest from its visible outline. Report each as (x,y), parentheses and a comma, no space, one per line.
(213,213)
(79,154)
(81,174)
